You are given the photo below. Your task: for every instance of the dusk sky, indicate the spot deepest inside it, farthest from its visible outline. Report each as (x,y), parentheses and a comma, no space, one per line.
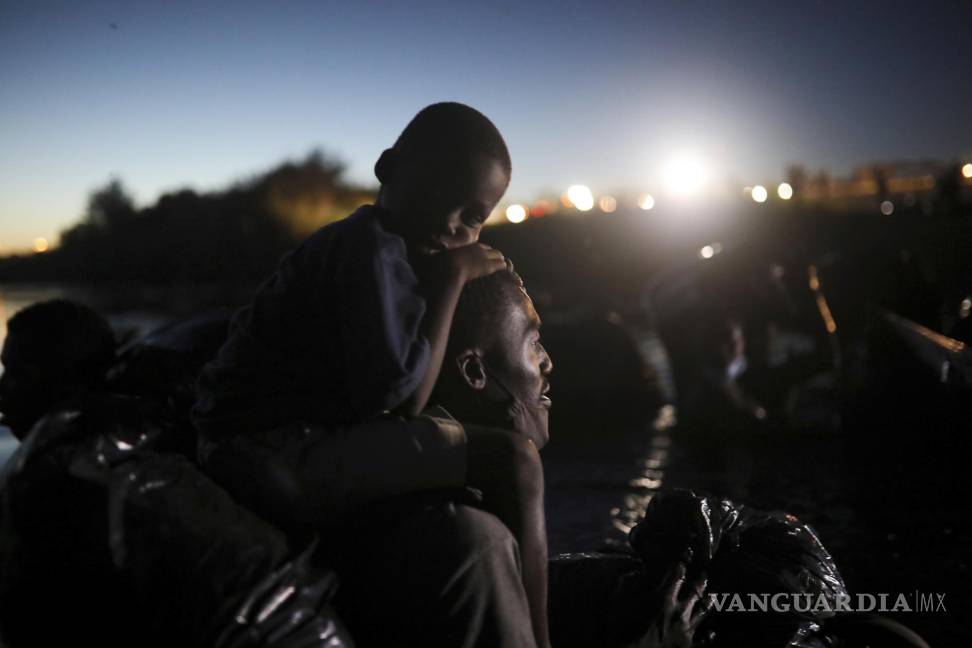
(167,95)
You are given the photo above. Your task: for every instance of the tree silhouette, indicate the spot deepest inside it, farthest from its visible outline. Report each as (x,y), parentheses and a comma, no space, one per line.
(236,235)
(109,207)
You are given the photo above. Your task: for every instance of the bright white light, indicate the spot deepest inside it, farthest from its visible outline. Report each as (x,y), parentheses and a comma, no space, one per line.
(685,174)
(709,251)
(887,208)
(759,193)
(967,170)
(40,244)
(646,201)
(581,197)
(516,213)
(607,204)
(784,191)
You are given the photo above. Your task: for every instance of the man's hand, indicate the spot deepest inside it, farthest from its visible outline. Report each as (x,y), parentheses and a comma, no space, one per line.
(683,610)
(473,261)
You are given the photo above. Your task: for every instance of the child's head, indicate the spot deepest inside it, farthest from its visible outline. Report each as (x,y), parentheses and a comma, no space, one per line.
(443,177)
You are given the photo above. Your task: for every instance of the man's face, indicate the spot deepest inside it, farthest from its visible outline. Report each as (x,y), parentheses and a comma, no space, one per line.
(440,202)
(25,395)
(518,363)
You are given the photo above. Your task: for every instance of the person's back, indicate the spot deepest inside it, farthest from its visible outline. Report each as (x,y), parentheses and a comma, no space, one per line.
(292,355)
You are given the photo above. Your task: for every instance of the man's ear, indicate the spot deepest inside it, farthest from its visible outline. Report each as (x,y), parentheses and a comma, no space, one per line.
(385,166)
(471,369)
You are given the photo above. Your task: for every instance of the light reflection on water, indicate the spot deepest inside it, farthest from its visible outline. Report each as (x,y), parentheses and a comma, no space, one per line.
(651,476)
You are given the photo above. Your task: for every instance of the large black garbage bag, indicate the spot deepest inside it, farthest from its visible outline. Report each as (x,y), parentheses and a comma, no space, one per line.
(746,552)
(162,368)
(176,532)
(57,581)
(165,362)
(104,541)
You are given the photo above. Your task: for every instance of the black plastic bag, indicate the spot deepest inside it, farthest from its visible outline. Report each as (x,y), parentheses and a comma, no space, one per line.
(744,552)
(104,541)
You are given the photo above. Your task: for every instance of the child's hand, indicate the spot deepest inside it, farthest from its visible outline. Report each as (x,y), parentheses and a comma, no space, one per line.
(474,261)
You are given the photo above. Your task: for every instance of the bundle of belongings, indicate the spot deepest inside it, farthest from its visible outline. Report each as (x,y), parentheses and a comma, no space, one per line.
(747,556)
(105,537)
(109,533)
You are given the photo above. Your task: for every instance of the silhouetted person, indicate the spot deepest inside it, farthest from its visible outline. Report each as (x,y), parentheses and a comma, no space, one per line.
(105,541)
(55,351)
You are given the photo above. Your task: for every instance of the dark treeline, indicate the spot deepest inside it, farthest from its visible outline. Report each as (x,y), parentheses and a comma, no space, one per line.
(231,239)
(233,236)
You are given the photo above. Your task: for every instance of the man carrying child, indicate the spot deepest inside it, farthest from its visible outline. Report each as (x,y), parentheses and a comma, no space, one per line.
(311,411)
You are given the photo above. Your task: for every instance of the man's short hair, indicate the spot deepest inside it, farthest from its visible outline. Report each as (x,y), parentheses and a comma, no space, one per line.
(477,320)
(65,334)
(451,124)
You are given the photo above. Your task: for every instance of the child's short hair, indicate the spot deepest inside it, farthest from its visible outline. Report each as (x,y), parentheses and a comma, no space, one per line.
(449,124)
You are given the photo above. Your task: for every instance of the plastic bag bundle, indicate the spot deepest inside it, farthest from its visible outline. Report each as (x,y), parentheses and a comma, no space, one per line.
(175,531)
(104,541)
(163,366)
(749,553)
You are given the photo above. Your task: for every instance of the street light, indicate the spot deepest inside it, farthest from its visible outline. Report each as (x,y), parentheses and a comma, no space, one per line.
(516,213)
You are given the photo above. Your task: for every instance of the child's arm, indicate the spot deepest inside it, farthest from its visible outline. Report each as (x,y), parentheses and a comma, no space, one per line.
(448,272)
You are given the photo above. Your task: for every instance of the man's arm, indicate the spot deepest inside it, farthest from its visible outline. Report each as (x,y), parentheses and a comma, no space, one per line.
(506,467)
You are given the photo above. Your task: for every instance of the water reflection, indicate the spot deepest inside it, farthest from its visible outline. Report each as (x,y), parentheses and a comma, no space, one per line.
(651,476)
